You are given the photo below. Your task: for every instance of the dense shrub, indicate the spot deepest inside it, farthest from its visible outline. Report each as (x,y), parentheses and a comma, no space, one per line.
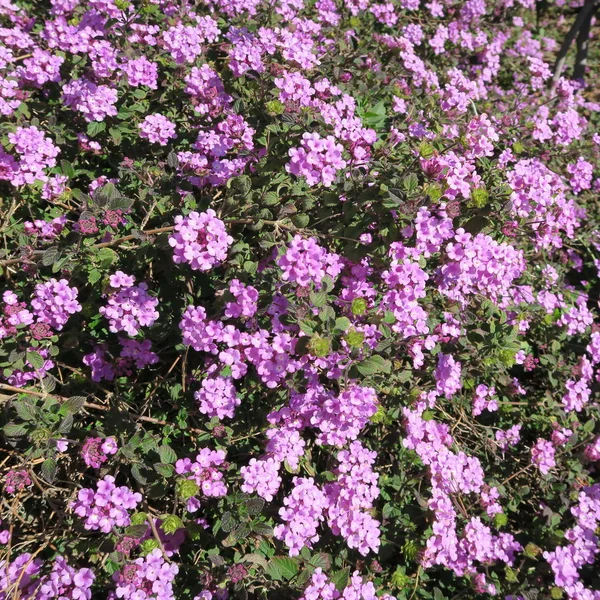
(299,300)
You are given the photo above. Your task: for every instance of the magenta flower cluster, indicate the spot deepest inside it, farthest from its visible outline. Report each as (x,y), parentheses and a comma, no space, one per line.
(200,239)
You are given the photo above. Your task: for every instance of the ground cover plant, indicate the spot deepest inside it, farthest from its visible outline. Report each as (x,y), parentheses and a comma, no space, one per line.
(299,300)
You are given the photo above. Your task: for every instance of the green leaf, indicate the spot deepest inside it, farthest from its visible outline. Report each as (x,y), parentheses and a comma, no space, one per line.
(340,579)
(256,559)
(94,276)
(74,404)
(589,426)
(35,360)
(14,430)
(318,299)
(374,364)
(138,530)
(95,127)
(281,567)
(320,560)
(167,454)
(107,257)
(227,522)
(120,203)
(342,323)
(116,135)
(136,471)
(164,469)
(50,256)
(48,469)
(26,410)
(254,505)
(262,529)
(67,169)
(270,198)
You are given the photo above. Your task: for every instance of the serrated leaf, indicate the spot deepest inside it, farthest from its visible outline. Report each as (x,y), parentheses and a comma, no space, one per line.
(26,410)
(318,299)
(66,424)
(216,560)
(342,323)
(270,198)
(164,469)
(227,522)
(48,470)
(172,160)
(256,559)
(282,567)
(136,471)
(50,256)
(94,276)
(95,127)
(13,430)
(120,203)
(254,505)
(240,532)
(262,529)
(74,404)
(107,257)
(321,561)
(340,579)
(35,360)
(137,531)
(374,364)
(167,454)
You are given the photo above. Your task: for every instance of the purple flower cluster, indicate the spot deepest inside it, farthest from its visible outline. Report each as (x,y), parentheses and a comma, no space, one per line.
(261,476)
(146,578)
(65,582)
(36,153)
(157,129)
(542,456)
(453,473)
(205,471)
(567,561)
(95,451)
(305,262)
(54,302)
(16,481)
(245,303)
(106,507)
(129,307)
(351,499)
(479,265)
(317,159)
(302,513)
(95,102)
(200,239)
(484,399)
(217,397)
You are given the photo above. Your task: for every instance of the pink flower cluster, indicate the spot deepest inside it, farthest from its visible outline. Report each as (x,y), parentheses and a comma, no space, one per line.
(217,397)
(205,471)
(107,507)
(200,239)
(95,451)
(306,262)
(317,159)
(146,578)
(54,302)
(157,129)
(129,307)
(582,548)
